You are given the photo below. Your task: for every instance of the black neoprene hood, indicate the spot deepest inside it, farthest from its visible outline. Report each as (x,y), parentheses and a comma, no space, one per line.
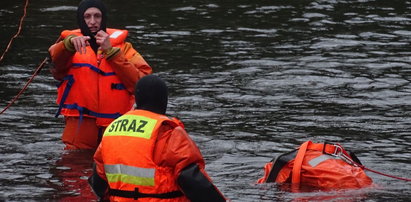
(82,7)
(151,94)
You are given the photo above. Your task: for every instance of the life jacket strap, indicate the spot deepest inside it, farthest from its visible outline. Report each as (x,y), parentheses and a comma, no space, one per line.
(84,110)
(296,172)
(136,194)
(70,82)
(93,68)
(279,163)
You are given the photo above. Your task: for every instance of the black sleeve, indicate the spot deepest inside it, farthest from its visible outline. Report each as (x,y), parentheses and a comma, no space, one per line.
(196,186)
(98,185)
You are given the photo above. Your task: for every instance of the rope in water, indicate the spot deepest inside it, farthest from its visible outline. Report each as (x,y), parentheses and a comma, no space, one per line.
(36,72)
(350,161)
(18,31)
(383,174)
(25,86)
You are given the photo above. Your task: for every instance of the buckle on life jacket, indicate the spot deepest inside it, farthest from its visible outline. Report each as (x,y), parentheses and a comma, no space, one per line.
(136,192)
(279,163)
(339,152)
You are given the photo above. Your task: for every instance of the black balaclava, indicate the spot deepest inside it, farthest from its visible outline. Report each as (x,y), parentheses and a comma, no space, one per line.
(151,94)
(82,7)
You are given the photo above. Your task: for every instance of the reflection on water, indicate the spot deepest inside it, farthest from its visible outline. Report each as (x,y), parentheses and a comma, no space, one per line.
(70,174)
(250,80)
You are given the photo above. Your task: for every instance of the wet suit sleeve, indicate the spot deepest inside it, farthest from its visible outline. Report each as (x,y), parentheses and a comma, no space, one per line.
(197,186)
(183,154)
(129,65)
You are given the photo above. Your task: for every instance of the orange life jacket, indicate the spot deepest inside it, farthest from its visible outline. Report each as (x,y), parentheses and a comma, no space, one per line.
(127,149)
(324,165)
(91,87)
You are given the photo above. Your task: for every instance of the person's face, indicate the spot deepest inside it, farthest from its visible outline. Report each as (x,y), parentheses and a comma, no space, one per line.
(93,17)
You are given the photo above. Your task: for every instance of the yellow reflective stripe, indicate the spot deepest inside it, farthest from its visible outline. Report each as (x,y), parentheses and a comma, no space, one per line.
(130,174)
(131,125)
(130,179)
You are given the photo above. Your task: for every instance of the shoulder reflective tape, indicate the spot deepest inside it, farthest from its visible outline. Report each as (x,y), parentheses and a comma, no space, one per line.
(116,34)
(317,160)
(130,174)
(131,125)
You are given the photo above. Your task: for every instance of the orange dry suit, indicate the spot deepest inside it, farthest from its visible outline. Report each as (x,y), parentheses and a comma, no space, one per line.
(91,87)
(326,166)
(149,157)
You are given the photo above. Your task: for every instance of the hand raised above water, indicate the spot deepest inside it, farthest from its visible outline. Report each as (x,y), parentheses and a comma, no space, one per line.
(80,43)
(103,40)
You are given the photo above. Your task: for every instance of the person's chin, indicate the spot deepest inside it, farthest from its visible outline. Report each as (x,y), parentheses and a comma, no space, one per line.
(94,31)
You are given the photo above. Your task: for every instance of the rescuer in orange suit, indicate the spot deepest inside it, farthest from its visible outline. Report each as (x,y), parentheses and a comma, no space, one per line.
(97,70)
(320,165)
(148,156)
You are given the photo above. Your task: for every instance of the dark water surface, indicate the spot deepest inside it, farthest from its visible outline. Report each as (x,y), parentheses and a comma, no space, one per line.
(250,79)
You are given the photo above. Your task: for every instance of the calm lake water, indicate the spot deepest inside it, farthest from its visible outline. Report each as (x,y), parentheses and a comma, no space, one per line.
(250,80)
